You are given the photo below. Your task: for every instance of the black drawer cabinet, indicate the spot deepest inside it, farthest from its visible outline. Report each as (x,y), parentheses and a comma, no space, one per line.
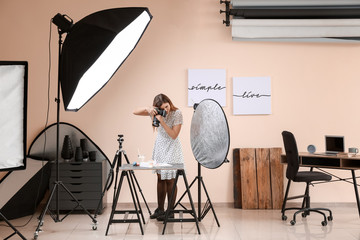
(85,180)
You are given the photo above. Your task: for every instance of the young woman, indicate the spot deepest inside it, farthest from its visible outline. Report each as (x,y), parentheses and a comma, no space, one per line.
(167,148)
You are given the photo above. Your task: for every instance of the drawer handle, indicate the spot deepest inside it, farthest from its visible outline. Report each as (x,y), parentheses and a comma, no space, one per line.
(75,170)
(76,183)
(76,192)
(75,177)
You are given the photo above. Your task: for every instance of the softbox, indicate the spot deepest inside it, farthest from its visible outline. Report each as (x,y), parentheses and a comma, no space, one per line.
(13,109)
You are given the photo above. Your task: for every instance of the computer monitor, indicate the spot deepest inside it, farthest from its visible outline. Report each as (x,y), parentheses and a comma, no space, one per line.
(334,144)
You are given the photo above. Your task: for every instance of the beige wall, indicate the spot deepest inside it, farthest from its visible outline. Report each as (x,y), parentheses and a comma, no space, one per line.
(314,85)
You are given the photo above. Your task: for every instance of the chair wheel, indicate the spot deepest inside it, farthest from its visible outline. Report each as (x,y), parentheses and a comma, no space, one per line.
(330,218)
(292,222)
(304,215)
(324,223)
(284,217)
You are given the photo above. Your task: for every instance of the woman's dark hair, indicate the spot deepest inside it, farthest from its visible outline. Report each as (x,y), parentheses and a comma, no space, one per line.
(160,99)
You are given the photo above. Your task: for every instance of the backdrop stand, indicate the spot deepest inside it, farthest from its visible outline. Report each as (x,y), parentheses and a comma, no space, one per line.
(56,216)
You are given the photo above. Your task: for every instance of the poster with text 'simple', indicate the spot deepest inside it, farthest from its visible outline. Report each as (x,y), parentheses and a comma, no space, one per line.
(206,84)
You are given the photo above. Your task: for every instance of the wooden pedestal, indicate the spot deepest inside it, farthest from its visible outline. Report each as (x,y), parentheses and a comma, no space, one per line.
(258,178)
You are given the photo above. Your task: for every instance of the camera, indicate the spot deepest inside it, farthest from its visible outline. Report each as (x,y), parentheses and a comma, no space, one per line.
(160,112)
(120,138)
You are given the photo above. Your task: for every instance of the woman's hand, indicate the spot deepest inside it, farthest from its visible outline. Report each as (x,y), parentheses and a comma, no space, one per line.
(160,118)
(152,111)
(172,132)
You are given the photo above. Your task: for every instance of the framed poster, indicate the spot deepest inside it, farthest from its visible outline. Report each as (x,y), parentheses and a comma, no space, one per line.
(251,95)
(206,84)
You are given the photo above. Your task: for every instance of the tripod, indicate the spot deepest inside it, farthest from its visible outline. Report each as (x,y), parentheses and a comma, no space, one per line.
(55,191)
(130,176)
(118,161)
(208,205)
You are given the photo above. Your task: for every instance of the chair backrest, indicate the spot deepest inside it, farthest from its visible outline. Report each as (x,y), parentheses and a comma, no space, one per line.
(292,155)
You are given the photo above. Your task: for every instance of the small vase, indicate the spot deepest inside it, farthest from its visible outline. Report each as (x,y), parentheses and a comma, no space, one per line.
(85,156)
(67,151)
(92,156)
(84,144)
(85,149)
(78,154)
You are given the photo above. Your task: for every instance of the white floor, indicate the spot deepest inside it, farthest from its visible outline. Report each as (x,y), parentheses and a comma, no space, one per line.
(234,224)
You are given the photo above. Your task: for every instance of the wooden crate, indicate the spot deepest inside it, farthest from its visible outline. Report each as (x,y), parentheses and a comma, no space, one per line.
(258,178)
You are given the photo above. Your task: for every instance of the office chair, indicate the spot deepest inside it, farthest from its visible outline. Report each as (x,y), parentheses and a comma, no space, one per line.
(293,174)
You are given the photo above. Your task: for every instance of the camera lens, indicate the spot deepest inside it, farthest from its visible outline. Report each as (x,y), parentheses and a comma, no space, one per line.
(160,112)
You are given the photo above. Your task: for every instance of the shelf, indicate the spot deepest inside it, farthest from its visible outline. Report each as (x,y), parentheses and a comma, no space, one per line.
(321,161)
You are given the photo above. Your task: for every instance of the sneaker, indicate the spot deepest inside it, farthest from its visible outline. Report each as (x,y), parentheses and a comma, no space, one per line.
(157,213)
(161,218)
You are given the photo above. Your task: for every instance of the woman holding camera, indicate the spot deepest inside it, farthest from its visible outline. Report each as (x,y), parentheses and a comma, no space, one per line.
(167,147)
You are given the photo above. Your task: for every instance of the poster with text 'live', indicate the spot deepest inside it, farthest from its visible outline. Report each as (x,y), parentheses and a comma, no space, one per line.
(252,95)
(206,84)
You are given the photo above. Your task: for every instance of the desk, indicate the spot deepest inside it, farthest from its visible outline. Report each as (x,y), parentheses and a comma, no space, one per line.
(127,170)
(340,161)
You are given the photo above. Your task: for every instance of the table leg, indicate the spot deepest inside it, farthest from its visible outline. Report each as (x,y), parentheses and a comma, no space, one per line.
(356,190)
(192,212)
(167,212)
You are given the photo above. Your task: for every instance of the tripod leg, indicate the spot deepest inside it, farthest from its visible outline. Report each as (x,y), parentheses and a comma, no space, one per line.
(132,176)
(182,196)
(97,211)
(77,201)
(211,206)
(111,173)
(141,193)
(131,186)
(138,185)
(41,218)
(116,198)
(191,201)
(117,172)
(170,200)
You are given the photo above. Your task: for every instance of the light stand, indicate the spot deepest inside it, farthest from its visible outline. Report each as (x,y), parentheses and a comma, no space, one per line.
(56,216)
(94,49)
(208,205)
(210,140)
